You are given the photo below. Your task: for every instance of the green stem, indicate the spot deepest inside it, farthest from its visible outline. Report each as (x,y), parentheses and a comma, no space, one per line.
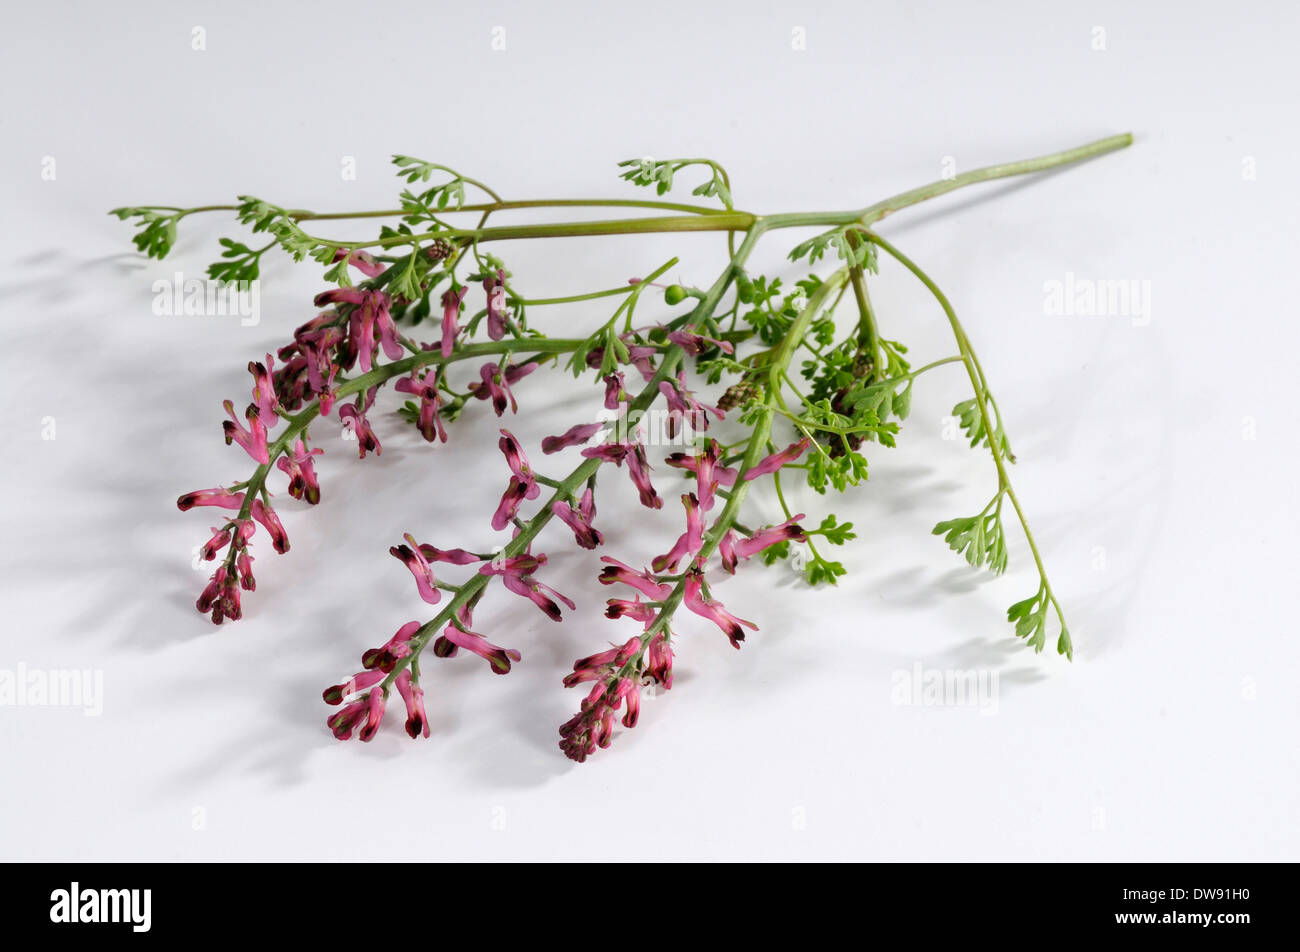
(868,333)
(698,218)
(303,214)
(724,221)
(874,213)
(593,295)
(984,394)
(982,401)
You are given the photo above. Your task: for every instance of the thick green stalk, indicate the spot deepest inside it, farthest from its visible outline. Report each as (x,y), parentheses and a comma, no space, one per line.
(700,218)
(874,213)
(304,214)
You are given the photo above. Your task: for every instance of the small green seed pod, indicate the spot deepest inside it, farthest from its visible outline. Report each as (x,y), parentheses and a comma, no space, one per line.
(744,288)
(674,294)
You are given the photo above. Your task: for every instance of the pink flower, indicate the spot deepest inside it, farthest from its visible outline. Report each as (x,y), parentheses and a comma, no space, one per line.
(386,656)
(770,464)
(264,390)
(219,540)
(590,728)
(516,492)
(320,376)
(496,384)
(522,485)
(592,667)
(688,543)
(417,722)
(240,530)
(452,556)
(632,608)
(498,658)
(354,418)
(314,343)
(451,299)
(593,725)
(709,475)
(426,388)
(517,460)
(366,712)
(369,313)
(638,467)
(610,452)
(788,531)
(345,721)
(362,261)
(355,684)
(727,551)
(253,440)
(221,596)
(220,497)
(660,666)
(614,394)
(244,566)
(574,436)
(705,607)
(630,692)
(642,581)
(639,356)
(524,564)
(516,575)
(496,304)
(271,523)
(301,472)
(684,408)
(693,343)
(579,520)
(601,663)
(374,714)
(411,556)
(543,596)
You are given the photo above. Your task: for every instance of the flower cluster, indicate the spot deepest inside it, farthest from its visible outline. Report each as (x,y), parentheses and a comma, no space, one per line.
(355,326)
(854,393)
(621,672)
(364,696)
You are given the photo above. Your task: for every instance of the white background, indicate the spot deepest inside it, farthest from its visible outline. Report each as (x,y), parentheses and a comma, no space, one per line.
(1168,531)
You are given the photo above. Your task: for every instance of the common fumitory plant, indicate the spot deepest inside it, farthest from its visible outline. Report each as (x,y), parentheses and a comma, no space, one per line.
(752,381)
